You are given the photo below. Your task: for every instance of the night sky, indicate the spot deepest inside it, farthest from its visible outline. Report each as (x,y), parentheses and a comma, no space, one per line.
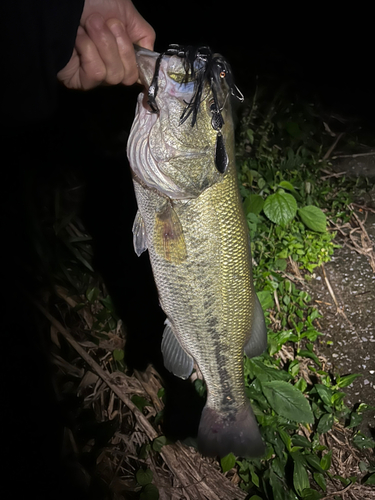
(328,53)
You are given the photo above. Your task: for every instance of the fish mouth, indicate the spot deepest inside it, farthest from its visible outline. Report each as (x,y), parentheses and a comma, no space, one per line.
(163,76)
(146,61)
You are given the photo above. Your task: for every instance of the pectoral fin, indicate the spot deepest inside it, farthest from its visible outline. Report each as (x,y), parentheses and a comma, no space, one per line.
(139,234)
(176,359)
(258,335)
(169,238)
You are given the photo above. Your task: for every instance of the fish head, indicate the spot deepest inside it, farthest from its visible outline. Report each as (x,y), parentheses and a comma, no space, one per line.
(173,145)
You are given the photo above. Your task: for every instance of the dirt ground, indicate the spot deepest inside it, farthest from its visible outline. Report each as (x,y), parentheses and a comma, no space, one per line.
(344,291)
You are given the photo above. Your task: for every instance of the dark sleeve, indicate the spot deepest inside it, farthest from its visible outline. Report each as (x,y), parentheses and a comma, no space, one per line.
(39,37)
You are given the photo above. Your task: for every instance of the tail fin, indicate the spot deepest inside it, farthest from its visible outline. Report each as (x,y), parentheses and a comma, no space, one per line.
(220,434)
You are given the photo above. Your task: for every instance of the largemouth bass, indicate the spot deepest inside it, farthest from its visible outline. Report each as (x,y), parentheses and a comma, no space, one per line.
(190,218)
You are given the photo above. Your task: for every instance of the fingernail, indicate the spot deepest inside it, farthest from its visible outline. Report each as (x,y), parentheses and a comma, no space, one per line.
(96,21)
(117,29)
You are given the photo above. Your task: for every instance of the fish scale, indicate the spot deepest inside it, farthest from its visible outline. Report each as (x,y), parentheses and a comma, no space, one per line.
(200,255)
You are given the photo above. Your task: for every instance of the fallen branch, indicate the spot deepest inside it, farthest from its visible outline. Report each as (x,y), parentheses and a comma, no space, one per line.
(104,375)
(340,492)
(332,294)
(331,149)
(356,155)
(364,207)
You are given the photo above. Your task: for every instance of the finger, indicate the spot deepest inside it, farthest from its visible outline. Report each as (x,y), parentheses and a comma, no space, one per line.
(138,29)
(92,70)
(85,69)
(67,74)
(125,50)
(107,48)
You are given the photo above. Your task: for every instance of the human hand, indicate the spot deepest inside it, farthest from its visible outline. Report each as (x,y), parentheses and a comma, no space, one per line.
(103,51)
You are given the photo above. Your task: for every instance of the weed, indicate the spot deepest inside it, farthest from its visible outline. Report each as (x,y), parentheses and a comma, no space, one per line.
(294,399)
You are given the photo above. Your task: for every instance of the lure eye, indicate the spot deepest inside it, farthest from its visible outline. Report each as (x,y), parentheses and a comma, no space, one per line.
(222,74)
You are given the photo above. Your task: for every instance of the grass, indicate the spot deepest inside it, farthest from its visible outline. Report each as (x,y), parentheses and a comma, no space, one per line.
(280,157)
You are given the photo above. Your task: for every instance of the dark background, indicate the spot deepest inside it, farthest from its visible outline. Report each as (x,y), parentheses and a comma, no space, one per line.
(328,55)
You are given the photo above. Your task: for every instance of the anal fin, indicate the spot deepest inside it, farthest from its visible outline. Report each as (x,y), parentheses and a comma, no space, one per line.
(257,343)
(139,234)
(176,359)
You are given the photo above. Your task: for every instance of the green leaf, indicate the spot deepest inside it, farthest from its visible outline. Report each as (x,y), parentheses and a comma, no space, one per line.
(250,135)
(159,417)
(364,407)
(286,185)
(325,423)
(313,461)
(325,394)
(288,401)
(266,373)
(159,442)
(140,402)
(320,480)
(293,129)
(370,479)
(108,304)
(278,466)
(301,384)
(337,399)
(144,476)
(144,451)
(277,487)
(149,492)
(313,218)
(280,207)
(355,419)
(200,387)
(363,466)
(92,294)
(345,481)
(282,337)
(261,183)
(254,478)
(118,355)
(228,462)
(347,380)
(286,439)
(325,461)
(293,368)
(298,440)
(265,299)
(361,441)
(300,477)
(310,494)
(307,354)
(254,204)
(281,264)
(256,497)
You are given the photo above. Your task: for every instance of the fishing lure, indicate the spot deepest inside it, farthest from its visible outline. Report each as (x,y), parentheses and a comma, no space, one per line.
(201,66)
